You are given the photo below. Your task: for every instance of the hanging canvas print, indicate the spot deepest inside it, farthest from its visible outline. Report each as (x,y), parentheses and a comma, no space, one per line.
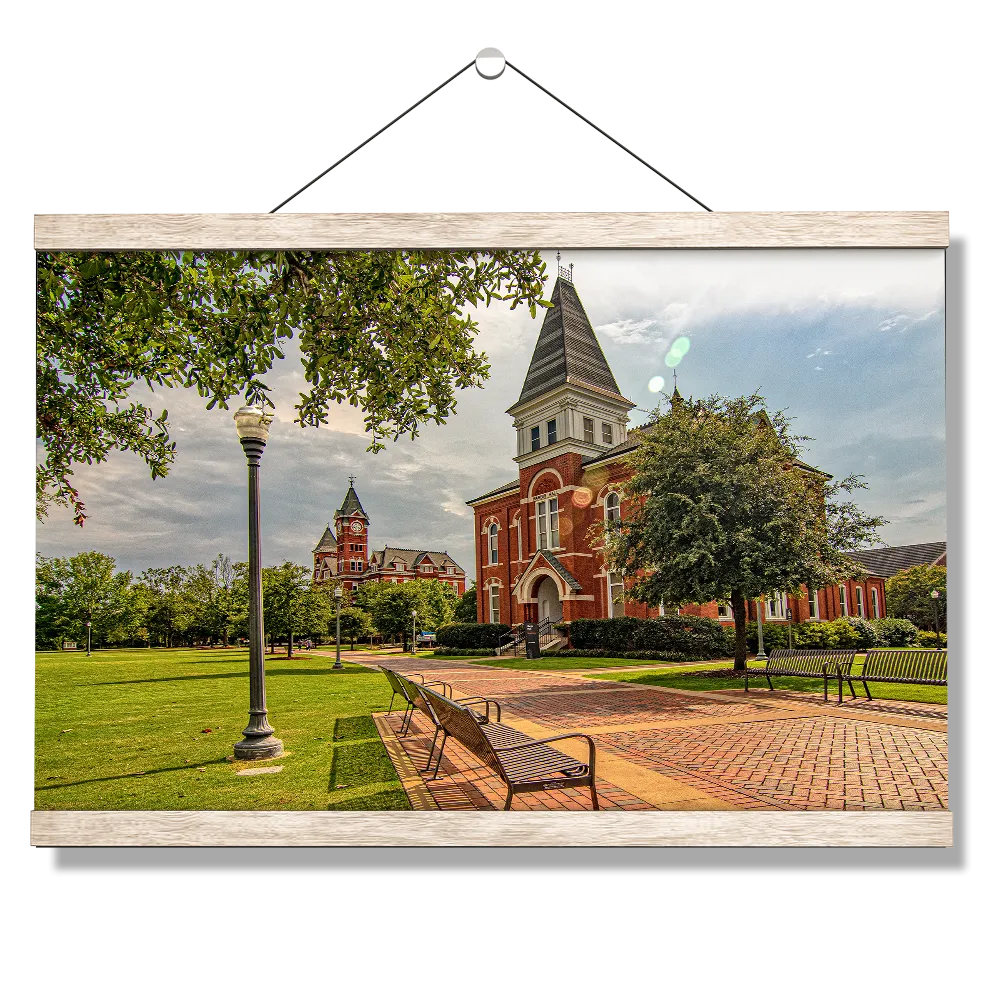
(633,533)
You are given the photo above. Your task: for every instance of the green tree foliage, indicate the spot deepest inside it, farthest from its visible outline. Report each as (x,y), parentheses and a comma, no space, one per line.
(85,587)
(388,331)
(292,605)
(169,604)
(721,509)
(391,606)
(465,607)
(355,623)
(908,595)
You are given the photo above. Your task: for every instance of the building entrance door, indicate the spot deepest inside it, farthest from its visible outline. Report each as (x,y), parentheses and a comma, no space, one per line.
(549,605)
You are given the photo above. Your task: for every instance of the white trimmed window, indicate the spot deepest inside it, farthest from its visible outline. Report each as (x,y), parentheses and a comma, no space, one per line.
(859,597)
(495,604)
(536,438)
(588,430)
(547,523)
(550,432)
(875,607)
(725,610)
(814,604)
(494,544)
(613,508)
(842,597)
(607,435)
(777,605)
(616,594)
(520,543)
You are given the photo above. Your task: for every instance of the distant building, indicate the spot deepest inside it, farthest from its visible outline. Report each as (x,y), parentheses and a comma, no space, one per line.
(534,559)
(342,554)
(894,559)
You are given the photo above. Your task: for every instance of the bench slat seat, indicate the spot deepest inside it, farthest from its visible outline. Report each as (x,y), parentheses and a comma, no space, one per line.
(819,663)
(522,763)
(902,666)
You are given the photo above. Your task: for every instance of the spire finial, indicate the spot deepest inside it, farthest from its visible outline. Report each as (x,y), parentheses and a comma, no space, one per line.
(675,380)
(350,480)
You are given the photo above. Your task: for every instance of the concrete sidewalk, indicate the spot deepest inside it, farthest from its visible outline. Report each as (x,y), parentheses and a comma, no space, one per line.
(669,749)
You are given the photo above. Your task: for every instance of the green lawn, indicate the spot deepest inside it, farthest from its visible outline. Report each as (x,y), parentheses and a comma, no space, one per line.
(115,731)
(679,677)
(579,663)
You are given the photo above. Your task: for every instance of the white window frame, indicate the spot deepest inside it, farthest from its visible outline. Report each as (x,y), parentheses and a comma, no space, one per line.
(551,432)
(725,610)
(859,597)
(588,430)
(520,543)
(875,603)
(615,583)
(493,595)
(814,605)
(535,444)
(607,433)
(493,545)
(547,523)
(779,600)
(617,508)
(844,607)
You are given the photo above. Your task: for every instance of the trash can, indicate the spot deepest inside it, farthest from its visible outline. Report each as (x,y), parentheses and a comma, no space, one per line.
(532,650)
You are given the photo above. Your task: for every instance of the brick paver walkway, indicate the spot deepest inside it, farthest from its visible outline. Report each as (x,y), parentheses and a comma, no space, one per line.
(661,748)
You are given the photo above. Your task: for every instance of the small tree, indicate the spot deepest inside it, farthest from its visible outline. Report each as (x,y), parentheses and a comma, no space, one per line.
(292,606)
(354,623)
(465,607)
(720,508)
(908,595)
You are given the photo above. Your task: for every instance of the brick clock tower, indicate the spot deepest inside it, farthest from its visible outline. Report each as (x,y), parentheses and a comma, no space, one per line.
(343,553)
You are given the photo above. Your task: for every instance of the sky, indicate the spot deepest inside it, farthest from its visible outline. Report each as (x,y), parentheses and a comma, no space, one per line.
(850,343)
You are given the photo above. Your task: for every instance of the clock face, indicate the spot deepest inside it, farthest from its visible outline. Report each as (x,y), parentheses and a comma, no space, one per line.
(357,527)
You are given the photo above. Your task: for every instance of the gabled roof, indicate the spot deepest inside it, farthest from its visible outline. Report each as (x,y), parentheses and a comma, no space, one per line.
(553,561)
(510,487)
(567,349)
(895,558)
(410,558)
(327,543)
(351,505)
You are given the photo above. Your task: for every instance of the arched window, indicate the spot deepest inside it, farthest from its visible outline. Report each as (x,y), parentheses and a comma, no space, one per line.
(494,535)
(875,608)
(612,508)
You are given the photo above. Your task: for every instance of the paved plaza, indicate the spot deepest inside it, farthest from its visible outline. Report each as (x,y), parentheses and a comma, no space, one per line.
(666,749)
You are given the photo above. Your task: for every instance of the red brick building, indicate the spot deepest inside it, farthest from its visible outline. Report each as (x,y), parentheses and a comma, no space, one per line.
(534,559)
(342,554)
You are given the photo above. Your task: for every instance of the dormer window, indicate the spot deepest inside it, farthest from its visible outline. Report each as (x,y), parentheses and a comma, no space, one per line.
(536,439)
(550,430)
(588,430)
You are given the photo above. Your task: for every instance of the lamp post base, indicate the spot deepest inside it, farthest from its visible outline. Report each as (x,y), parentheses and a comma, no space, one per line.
(258,748)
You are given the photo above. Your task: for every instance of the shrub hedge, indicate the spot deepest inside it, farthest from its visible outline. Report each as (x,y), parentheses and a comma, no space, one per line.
(683,636)
(456,651)
(635,654)
(895,632)
(471,635)
(929,640)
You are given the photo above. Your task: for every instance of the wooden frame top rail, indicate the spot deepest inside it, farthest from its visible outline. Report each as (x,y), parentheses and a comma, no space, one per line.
(704,230)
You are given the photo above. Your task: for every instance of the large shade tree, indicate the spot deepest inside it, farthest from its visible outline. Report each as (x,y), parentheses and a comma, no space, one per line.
(721,508)
(389,331)
(908,595)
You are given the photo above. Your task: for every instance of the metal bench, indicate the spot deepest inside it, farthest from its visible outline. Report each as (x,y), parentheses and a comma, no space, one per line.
(825,663)
(395,682)
(902,666)
(523,764)
(416,695)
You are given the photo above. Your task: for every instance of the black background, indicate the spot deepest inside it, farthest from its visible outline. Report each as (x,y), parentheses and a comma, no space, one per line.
(229,116)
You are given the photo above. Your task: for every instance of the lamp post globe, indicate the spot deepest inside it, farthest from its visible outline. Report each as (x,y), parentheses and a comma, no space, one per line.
(413,648)
(259,742)
(761,655)
(87,623)
(338,593)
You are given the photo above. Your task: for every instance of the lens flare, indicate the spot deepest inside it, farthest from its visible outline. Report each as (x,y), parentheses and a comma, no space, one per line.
(656,383)
(582,497)
(678,349)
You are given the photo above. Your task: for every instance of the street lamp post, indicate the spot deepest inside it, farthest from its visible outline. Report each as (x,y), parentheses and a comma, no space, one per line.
(935,597)
(788,616)
(761,655)
(87,623)
(413,648)
(259,741)
(338,593)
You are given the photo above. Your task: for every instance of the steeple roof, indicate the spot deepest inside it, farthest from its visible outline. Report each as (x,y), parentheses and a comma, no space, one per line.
(351,505)
(327,543)
(567,349)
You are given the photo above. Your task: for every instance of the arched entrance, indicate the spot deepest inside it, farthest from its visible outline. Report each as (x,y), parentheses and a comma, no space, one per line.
(549,604)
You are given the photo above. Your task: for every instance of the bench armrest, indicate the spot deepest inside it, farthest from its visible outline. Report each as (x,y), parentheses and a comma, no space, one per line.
(445,687)
(482,701)
(411,676)
(555,739)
